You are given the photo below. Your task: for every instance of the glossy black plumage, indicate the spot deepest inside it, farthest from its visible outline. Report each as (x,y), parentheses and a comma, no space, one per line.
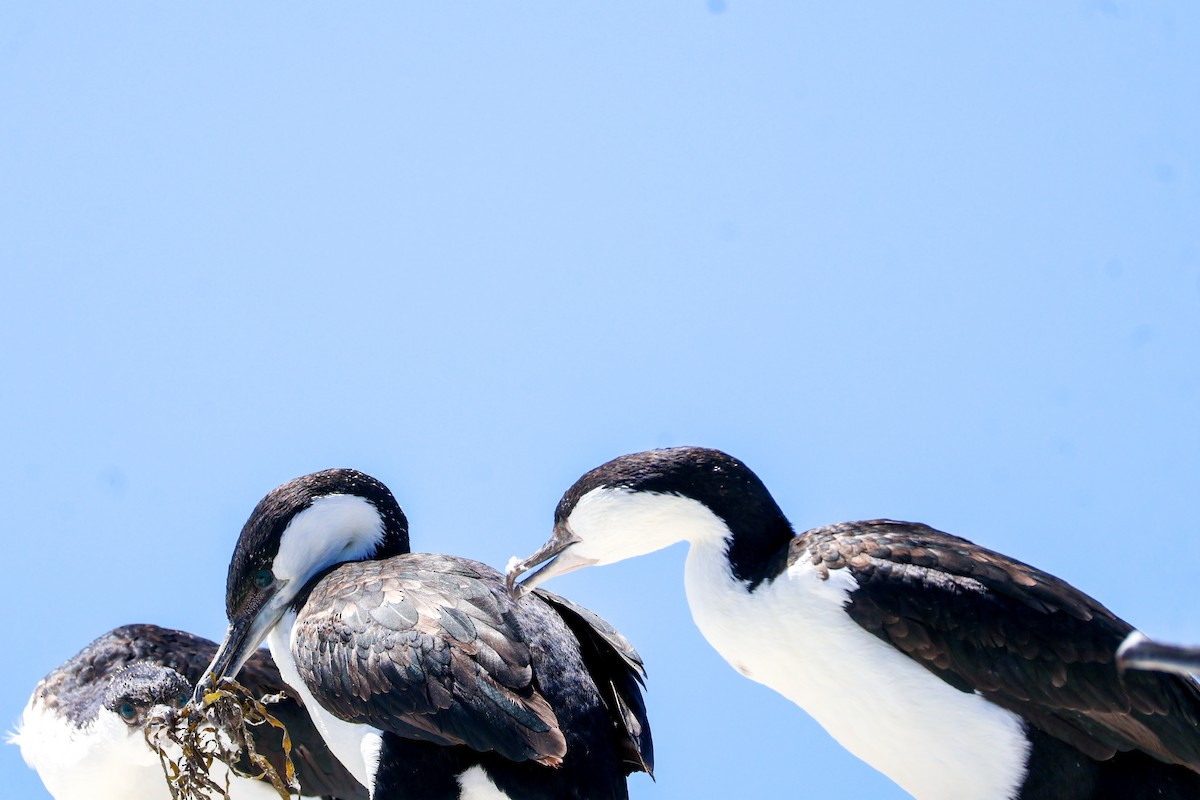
(619,674)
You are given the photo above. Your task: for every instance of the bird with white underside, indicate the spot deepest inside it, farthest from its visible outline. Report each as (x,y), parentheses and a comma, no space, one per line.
(83,729)
(958,672)
(425,677)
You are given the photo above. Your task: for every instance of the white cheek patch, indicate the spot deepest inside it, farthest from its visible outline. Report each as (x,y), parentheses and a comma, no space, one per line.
(615,524)
(334,529)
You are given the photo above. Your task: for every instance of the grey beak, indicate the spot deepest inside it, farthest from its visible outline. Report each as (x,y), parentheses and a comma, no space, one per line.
(245,633)
(551,551)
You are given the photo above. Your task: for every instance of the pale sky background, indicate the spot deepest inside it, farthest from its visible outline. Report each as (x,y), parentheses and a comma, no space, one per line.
(933,261)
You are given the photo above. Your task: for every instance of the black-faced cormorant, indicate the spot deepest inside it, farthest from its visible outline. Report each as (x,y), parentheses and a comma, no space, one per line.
(82,729)
(423,674)
(956,671)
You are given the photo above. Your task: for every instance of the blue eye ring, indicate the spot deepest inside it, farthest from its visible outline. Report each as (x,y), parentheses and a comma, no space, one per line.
(263,578)
(127,712)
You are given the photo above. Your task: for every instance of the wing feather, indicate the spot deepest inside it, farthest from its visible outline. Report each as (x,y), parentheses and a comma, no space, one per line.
(426,647)
(1024,639)
(619,674)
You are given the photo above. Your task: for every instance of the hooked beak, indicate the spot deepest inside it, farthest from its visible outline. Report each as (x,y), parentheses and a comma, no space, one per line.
(1140,652)
(559,561)
(245,634)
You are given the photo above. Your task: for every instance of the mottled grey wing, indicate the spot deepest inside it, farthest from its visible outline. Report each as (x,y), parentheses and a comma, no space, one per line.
(619,673)
(426,647)
(1022,638)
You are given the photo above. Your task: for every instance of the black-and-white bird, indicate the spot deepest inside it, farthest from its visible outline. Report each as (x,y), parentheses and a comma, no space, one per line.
(82,730)
(956,671)
(1139,651)
(423,674)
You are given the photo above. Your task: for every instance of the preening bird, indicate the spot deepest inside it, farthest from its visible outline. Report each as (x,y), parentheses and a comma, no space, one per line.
(958,672)
(426,678)
(82,730)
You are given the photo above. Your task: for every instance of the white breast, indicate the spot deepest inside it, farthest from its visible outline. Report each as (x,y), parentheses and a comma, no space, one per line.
(104,760)
(356,746)
(793,635)
(474,784)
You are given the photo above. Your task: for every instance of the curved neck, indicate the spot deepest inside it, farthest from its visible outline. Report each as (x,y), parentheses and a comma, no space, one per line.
(752,541)
(758,551)
(614,524)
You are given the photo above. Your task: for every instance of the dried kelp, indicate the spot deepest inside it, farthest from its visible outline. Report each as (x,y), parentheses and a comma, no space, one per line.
(219,729)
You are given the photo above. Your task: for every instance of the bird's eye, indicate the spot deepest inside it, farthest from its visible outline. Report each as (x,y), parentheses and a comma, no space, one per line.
(183,699)
(128,712)
(263,578)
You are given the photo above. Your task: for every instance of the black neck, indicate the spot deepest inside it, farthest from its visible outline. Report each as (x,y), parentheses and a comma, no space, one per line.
(758,547)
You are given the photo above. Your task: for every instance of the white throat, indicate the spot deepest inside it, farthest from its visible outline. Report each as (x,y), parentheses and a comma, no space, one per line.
(335,528)
(793,635)
(615,524)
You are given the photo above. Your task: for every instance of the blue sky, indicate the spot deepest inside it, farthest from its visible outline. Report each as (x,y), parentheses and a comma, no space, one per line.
(936,262)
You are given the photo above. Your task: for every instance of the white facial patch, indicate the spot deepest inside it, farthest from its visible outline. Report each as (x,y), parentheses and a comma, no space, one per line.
(334,529)
(614,524)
